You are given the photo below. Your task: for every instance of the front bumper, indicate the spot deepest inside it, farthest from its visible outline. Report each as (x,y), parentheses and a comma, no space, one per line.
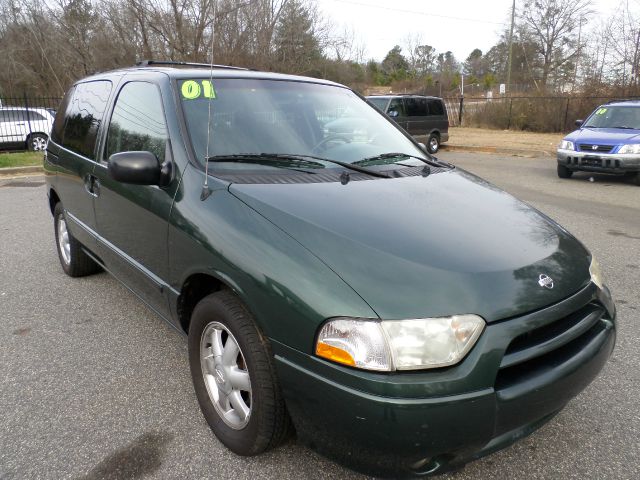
(599,162)
(521,372)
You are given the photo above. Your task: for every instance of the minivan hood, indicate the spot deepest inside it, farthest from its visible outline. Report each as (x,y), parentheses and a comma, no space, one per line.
(604,136)
(417,247)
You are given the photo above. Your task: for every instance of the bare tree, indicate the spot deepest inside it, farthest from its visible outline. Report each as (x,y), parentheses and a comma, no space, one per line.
(553,25)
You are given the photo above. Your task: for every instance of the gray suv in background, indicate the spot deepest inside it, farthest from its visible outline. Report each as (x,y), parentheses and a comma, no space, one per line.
(418,115)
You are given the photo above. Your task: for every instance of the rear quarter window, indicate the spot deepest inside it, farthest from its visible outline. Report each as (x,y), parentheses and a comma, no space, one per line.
(84,116)
(58,124)
(31,115)
(435,107)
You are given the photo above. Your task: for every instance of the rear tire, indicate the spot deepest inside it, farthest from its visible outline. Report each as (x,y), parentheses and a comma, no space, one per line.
(239,393)
(75,262)
(37,142)
(564,172)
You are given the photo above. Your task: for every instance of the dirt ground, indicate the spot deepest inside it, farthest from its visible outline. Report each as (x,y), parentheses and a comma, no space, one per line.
(504,140)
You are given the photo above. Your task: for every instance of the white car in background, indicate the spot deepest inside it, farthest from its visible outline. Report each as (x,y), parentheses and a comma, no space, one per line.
(25,127)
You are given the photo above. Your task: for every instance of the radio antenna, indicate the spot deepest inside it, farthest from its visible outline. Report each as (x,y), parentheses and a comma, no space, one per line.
(205,188)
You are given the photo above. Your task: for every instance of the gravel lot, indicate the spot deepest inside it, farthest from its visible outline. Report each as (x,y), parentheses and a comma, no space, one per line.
(534,142)
(93,385)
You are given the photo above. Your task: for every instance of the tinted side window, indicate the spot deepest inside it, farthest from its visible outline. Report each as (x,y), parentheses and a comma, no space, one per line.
(435,107)
(61,114)
(12,116)
(84,116)
(137,123)
(416,107)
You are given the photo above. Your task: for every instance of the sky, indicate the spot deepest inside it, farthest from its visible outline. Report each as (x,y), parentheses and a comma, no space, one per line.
(456,25)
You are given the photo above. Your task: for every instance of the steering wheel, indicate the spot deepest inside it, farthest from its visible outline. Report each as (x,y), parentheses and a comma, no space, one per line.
(320,146)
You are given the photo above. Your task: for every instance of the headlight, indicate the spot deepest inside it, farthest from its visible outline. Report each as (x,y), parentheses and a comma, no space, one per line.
(566,145)
(390,345)
(635,148)
(596,273)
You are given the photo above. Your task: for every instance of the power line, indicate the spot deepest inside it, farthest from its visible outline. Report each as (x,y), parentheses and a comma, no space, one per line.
(415,12)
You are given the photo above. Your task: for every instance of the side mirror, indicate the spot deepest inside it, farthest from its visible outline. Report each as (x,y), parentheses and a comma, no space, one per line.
(393,113)
(138,168)
(422,146)
(579,123)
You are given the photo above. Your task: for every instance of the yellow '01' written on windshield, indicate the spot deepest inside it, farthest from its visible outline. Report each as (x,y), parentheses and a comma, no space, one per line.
(193,89)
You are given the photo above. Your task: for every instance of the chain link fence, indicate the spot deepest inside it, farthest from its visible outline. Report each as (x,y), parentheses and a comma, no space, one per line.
(25,122)
(536,114)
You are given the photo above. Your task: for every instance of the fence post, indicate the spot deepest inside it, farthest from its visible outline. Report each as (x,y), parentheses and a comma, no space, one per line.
(460,111)
(26,109)
(509,119)
(566,114)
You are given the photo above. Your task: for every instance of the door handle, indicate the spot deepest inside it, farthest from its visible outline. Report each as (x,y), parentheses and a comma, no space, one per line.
(92,185)
(96,186)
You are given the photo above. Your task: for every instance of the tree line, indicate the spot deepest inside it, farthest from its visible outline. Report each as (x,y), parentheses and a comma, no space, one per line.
(556,46)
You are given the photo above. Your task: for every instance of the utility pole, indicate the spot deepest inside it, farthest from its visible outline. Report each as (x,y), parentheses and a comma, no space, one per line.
(578,53)
(513,19)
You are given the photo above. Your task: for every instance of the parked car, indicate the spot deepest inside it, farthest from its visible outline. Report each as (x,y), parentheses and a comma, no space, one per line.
(608,141)
(418,115)
(402,316)
(25,128)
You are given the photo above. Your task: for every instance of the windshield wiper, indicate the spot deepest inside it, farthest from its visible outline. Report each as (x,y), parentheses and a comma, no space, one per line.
(624,127)
(351,166)
(270,157)
(383,156)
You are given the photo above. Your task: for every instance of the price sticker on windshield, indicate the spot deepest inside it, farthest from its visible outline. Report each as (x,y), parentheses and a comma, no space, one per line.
(601,111)
(194,89)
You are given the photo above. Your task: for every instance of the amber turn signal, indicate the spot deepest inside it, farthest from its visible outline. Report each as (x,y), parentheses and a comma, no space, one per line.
(334,353)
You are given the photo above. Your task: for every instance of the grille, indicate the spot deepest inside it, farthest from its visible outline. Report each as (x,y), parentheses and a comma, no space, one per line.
(589,147)
(546,347)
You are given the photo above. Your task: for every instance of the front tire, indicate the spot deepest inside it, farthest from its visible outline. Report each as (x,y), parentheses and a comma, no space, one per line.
(234,376)
(564,172)
(75,262)
(433,144)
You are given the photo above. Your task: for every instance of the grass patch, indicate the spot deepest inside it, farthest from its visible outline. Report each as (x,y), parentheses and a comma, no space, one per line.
(20,159)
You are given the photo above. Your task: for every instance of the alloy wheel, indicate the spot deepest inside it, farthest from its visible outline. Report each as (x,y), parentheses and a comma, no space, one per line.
(225,375)
(64,243)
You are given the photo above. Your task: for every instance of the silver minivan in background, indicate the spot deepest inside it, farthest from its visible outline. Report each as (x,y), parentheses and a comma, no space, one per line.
(25,128)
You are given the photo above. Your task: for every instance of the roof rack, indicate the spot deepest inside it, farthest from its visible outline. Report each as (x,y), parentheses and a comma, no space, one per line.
(147,63)
(620,100)
(397,95)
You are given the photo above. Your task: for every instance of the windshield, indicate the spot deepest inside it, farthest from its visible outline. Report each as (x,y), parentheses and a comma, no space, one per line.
(615,117)
(381,103)
(286,117)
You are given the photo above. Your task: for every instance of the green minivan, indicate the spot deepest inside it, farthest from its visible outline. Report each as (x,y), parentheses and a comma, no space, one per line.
(333,279)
